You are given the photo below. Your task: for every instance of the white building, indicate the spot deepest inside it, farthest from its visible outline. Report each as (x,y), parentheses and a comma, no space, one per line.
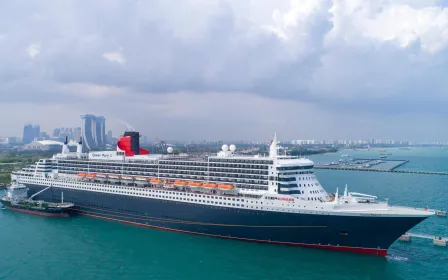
(46,145)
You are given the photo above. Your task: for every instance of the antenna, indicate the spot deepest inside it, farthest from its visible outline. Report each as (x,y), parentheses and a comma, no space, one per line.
(336,196)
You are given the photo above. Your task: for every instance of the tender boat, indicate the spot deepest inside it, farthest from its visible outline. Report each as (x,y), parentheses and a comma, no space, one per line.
(16,199)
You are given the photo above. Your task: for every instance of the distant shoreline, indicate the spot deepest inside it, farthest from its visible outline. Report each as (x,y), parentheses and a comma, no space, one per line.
(377,149)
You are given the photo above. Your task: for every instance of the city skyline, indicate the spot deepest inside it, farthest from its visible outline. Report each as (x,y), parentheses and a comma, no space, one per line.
(229,69)
(125,126)
(75,133)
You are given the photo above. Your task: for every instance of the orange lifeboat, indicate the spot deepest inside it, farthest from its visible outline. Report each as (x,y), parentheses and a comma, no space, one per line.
(194,185)
(91,175)
(168,185)
(210,186)
(180,183)
(81,174)
(226,187)
(156,181)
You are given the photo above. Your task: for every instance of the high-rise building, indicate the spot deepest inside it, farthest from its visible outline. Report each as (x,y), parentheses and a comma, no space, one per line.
(100,125)
(65,132)
(36,131)
(93,131)
(44,136)
(30,132)
(77,133)
(109,137)
(56,132)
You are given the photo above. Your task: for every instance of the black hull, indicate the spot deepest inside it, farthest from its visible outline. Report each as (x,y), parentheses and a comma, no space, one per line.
(362,234)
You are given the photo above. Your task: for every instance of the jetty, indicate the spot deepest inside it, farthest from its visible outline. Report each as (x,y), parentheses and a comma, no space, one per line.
(371,164)
(436,240)
(354,168)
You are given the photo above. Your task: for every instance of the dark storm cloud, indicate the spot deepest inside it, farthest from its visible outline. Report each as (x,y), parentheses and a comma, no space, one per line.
(227,55)
(358,56)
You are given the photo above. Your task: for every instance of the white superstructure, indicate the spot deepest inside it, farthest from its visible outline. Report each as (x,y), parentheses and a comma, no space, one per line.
(269,183)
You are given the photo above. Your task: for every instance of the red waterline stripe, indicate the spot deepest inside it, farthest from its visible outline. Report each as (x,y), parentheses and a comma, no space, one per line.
(370,251)
(42,214)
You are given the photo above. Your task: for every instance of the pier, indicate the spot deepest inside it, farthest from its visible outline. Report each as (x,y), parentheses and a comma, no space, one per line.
(436,240)
(369,164)
(391,170)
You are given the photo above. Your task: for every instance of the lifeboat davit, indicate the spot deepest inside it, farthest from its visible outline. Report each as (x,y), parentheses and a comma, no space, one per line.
(226,187)
(168,185)
(195,185)
(113,178)
(180,183)
(210,186)
(156,181)
(141,180)
(101,177)
(127,178)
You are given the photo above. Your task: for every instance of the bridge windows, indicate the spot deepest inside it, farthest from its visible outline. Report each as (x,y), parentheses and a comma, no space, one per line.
(294,167)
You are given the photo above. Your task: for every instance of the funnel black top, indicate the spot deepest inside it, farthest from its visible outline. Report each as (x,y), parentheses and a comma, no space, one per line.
(135,141)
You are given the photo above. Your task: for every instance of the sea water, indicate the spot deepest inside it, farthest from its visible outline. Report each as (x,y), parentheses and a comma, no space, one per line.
(35,247)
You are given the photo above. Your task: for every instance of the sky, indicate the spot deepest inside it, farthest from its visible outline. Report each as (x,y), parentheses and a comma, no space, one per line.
(228,69)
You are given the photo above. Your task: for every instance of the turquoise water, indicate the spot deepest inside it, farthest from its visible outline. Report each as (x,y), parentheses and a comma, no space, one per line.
(85,248)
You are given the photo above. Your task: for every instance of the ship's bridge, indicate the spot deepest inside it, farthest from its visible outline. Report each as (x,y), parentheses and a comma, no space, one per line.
(295,177)
(291,163)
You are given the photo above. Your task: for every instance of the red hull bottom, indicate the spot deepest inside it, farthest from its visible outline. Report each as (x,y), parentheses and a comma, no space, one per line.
(369,251)
(43,214)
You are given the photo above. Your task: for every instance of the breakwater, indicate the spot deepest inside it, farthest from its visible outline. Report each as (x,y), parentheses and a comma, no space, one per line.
(391,170)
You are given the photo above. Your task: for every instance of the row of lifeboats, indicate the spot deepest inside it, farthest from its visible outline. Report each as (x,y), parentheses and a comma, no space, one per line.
(159,182)
(197,185)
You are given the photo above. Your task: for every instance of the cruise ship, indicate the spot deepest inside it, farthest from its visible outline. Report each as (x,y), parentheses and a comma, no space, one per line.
(268,198)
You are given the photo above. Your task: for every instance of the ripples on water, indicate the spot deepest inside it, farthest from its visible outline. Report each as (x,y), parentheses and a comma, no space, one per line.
(85,248)
(396,258)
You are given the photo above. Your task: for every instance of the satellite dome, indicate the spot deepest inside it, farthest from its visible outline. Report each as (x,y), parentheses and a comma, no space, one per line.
(169,150)
(232,148)
(225,148)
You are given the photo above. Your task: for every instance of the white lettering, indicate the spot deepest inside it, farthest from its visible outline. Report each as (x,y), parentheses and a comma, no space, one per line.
(101,155)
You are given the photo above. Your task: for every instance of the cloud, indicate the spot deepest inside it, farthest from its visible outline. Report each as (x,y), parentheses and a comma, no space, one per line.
(33,50)
(380,57)
(114,57)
